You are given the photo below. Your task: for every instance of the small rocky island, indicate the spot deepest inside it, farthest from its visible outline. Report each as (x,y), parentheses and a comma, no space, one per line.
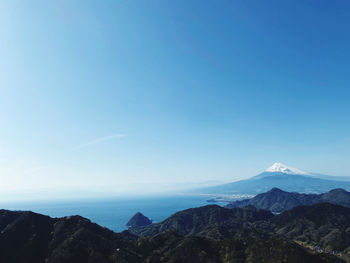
(139,220)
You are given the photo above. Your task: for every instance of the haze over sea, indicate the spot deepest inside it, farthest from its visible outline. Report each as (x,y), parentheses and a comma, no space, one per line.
(113,213)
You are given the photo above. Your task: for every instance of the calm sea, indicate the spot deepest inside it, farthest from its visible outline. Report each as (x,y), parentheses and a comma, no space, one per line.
(112,213)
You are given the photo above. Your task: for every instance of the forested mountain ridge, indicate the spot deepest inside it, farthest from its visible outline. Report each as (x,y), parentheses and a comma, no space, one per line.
(278,201)
(193,235)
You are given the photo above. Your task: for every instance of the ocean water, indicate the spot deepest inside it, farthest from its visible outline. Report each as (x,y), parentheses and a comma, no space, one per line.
(113,213)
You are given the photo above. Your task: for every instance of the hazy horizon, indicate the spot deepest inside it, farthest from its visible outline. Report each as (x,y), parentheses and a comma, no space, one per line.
(131,97)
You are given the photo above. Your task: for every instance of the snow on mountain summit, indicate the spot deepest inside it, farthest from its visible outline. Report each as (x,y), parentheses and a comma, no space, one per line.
(280,167)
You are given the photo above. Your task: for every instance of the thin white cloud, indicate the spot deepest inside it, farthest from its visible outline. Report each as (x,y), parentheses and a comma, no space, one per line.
(99,140)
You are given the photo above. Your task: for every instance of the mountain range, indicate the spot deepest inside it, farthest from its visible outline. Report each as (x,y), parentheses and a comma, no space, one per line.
(322,227)
(278,201)
(209,234)
(283,177)
(275,226)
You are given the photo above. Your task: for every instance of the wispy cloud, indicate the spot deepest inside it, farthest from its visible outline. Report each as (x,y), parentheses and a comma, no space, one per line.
(99,140)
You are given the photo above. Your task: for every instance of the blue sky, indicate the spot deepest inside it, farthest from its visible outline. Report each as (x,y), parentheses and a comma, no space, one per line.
(115,94)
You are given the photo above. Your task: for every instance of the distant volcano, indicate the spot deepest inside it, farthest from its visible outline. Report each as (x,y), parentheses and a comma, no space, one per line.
(283,177)
(280,167)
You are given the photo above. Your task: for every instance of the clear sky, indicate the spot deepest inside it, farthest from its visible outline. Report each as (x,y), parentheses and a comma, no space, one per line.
(114,94)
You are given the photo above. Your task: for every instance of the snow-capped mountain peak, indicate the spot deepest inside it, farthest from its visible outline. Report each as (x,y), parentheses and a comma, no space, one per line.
(281,168)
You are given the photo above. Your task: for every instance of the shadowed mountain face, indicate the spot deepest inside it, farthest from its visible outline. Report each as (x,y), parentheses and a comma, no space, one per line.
(323,225)
(278,201)
(326,225)
(336,196)
(27,237)
(30,237)
(210,221)
(170,247)
(24,233)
